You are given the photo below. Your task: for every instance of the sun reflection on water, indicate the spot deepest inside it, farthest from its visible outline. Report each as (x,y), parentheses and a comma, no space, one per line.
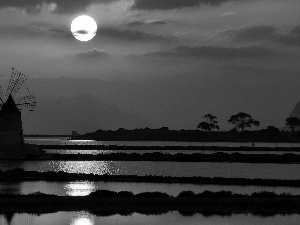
(80,188)
(82,152)
(87,167)
(82,218)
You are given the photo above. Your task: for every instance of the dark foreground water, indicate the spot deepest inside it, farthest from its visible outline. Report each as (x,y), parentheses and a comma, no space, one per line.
(84,187)
(176,169)
(174,218)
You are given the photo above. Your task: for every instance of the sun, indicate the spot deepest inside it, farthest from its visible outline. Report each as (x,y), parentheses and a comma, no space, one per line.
(84,28)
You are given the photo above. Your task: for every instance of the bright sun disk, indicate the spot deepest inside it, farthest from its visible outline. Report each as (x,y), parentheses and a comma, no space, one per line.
(84,28)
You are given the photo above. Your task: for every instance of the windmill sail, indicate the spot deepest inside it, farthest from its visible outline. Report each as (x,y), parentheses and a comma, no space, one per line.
(28,98)
(17,80)
(15,83)
(1,96)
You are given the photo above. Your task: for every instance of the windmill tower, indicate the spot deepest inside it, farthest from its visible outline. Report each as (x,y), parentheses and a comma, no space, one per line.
(11,130)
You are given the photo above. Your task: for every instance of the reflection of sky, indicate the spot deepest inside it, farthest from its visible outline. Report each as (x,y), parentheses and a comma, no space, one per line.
(79,188)
(82,218)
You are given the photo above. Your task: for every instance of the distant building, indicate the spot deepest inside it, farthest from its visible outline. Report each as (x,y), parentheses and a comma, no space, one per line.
(75,133)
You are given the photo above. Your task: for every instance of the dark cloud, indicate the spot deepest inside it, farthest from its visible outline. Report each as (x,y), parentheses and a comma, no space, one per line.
(292,38)
(82,32)
(296,30)
(131,35)
(63,6)
(173,4)
(19,32)
(94,53)
(147,22)
(265,33)
(136,23)
(254,33)
(213,52)
(40,30)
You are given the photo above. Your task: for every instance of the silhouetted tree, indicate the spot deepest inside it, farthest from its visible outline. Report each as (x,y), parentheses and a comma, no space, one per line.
(243,120)
(210,124)
(273,130)
(293,123)
(272,133)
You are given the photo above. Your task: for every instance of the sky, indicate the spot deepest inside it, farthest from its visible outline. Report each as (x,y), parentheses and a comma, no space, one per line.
(176,60)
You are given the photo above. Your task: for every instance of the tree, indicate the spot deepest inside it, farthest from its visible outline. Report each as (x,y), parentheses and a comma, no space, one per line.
(243,120)
(210,124)
(293,123)
(272,133)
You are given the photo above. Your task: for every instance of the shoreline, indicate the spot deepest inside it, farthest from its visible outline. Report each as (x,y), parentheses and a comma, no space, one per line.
(287,158)
(43,204)
(222,157)
(168,147)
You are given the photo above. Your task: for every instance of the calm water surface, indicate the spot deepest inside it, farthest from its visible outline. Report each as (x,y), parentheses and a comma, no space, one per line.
(64,141)
(83,188)
(174,218)
(176,169)
(99,152)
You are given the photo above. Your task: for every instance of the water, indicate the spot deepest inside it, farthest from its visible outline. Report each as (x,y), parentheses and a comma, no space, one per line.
(175,169)
(84,187)
(174,218)
(65,141)
(99,152)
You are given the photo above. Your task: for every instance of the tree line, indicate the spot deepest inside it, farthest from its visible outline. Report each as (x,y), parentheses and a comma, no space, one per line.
(242,120)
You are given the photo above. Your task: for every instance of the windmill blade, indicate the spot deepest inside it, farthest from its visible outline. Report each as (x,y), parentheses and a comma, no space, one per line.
(27,106)
(16,81)
(27,98)
(1,95)
(18,84)
(12,81)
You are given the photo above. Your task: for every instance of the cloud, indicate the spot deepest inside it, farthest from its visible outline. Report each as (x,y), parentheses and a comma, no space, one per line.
(296,30)
(94,53)
(82,32)
(45,31)
(292,38)
(147,22)
(59,6)
(212,52)
(40,29)
(265,33)
(173,4)
(131,35)
(253,33)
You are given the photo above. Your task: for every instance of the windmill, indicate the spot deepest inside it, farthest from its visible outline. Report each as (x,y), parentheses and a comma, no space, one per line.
(11,129)
(16,83)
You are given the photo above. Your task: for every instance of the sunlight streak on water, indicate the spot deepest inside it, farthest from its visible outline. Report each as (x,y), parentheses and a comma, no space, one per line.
(79,188)
(82,218)
(83,152)
(87,167)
